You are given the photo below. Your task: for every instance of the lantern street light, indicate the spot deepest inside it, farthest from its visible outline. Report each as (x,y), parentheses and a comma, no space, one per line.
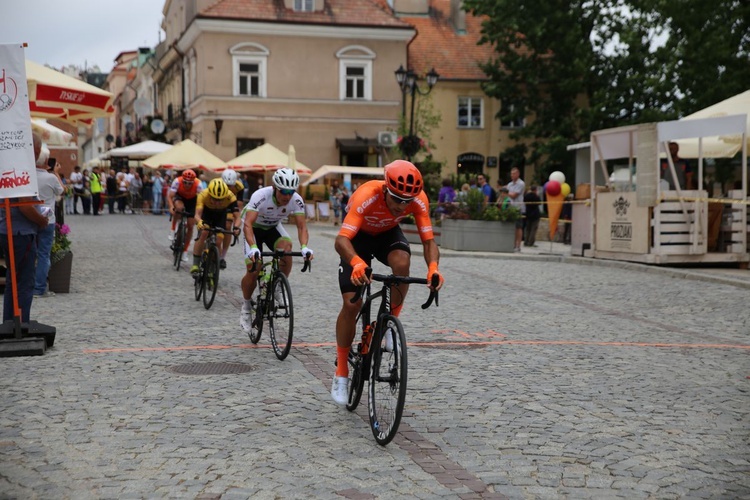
(408,82)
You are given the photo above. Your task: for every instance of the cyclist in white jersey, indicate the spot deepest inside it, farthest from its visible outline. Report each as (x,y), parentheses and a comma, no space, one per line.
(262,226)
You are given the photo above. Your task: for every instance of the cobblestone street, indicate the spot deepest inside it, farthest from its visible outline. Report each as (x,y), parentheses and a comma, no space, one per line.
(536,377)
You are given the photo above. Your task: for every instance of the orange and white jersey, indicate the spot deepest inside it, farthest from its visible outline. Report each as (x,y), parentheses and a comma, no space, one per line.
(185,192)
(368,212)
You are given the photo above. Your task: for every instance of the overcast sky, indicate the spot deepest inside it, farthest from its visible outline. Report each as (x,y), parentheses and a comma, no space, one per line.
(93,32)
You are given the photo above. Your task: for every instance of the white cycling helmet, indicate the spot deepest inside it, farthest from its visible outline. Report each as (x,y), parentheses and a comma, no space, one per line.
(286,178)
(229,177)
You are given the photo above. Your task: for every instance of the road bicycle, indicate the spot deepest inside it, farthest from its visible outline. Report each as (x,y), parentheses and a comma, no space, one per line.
(180,237)
(206,280)
(382,362)
(273,303)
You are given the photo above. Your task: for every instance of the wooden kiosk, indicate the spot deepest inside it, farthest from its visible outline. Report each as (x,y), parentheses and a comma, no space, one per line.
(639,221)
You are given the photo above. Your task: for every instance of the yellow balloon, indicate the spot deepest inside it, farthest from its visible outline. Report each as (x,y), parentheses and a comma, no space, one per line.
(565,189)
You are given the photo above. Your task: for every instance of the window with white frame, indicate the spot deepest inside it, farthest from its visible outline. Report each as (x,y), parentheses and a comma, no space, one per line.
(355,73)
(249,69)
(470,112)
(508,120)
(304,5)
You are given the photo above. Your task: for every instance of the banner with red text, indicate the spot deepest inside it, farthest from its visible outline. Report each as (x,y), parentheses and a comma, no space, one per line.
(17,163)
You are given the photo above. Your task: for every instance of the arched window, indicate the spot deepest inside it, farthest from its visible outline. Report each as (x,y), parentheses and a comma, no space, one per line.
(249,69)
(355,73)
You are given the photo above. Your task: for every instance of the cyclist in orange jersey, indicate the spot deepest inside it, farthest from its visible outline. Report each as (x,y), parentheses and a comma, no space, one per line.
(183,195)
(369,230)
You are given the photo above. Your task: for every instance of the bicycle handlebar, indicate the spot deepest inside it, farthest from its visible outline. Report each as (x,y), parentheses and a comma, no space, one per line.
(391,279)
(279,254)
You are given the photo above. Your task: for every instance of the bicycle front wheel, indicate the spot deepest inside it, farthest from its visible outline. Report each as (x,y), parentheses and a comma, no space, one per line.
(210,276)
(177,243)
(281,316)
(358,365)
(387,379)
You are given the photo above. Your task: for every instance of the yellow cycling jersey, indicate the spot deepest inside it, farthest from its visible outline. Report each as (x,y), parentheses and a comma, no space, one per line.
(207,202)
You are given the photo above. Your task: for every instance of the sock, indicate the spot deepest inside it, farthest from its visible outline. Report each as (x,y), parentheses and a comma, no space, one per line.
(248,305)
(342,356)
(196,260)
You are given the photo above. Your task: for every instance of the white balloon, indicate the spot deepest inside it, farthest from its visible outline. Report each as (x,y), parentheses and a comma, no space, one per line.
(557,176)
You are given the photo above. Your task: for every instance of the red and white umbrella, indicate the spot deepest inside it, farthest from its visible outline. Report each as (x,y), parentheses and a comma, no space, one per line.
(55,95)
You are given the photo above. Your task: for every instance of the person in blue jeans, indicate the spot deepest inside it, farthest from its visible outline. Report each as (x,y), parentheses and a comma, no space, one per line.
(26,220)
(50,187)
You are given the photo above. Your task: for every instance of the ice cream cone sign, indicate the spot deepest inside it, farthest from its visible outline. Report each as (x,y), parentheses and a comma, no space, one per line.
(555,198)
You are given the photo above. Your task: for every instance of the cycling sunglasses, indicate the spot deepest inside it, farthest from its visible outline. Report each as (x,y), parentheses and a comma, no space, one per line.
(287,192)
(398,199)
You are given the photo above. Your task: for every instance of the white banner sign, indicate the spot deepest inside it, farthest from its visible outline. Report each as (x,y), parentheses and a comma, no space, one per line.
(17,163)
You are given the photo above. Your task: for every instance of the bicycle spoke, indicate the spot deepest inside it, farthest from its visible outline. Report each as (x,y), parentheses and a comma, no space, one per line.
(388,381)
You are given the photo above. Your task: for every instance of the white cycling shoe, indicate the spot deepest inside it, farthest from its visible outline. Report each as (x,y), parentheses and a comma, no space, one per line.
(340,390)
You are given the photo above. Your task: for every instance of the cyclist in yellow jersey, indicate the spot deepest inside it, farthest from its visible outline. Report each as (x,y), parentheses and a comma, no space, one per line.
(210,211)
(236,186)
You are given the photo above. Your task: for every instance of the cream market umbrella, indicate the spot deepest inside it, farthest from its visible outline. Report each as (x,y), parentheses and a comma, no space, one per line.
(139,151)
(186,154)
(719,146)
(55,95)
(267,158)
(52,135)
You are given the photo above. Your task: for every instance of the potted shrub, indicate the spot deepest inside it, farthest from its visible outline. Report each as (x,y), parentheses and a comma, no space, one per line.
(474,227)
(61,260)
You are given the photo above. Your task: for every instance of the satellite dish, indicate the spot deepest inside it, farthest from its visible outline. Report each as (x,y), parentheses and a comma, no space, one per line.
(142,106)
(157,126)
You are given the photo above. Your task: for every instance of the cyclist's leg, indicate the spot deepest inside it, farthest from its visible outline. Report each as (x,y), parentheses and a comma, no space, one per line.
(250,278)
(396,254)
(284,243)
(228,240)
(346,321)
(178,206)
(190,208)
(198,249)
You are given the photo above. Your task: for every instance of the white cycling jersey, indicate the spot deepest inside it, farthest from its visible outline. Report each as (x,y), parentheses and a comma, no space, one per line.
(269,213)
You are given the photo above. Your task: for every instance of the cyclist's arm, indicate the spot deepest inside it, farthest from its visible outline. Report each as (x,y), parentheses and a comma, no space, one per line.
(431,252)
(304,236)
(198,215)
(236,220)
(250,218)
(344,247)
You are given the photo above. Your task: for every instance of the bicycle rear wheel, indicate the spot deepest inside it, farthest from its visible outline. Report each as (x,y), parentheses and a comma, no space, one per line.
(210,276)
(198,285)
(177,244)
(387,380)
(281,317)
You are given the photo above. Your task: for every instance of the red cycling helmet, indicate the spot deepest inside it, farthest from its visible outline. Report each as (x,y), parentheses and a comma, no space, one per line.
(403,179)
(188,175)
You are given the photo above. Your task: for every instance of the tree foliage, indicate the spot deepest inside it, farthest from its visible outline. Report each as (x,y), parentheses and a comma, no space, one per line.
(574,66)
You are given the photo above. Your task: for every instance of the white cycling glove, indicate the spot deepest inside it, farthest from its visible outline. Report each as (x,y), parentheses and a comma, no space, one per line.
(306,252)
(253,253)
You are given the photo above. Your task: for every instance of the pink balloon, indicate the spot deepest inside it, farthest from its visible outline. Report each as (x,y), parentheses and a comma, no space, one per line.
(552,188)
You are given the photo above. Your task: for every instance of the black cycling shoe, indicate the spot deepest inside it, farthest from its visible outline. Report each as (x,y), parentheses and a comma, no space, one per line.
(222,264)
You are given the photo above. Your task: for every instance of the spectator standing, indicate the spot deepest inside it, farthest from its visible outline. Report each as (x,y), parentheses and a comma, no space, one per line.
(503,200)
(516,190)
(446,197)
(27,220)
(156,190)
(67,195)
(532,202)
(344,202)
(76,179)
(86,196)
(111,190)
(122,192)
(335,201)
(684,172)
(50,187)
(135,188)
(96,190)
(147,191)
(485,188)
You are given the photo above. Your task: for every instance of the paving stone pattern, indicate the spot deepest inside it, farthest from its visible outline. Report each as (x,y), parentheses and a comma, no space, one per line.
(536,377)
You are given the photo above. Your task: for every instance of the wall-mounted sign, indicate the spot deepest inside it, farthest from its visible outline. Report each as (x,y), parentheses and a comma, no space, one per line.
(492,161)
(470,158)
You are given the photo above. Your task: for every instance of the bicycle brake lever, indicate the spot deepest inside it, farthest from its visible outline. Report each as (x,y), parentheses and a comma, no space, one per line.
(307,266)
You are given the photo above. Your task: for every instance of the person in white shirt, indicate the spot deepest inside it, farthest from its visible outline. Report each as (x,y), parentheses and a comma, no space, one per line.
(50,188)
(516,190)
(76,178)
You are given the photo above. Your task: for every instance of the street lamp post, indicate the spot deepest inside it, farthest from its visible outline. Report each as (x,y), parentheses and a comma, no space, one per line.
(408,82)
